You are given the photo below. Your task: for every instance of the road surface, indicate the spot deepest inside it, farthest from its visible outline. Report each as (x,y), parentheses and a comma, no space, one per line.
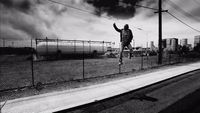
(145,93)
(177,95)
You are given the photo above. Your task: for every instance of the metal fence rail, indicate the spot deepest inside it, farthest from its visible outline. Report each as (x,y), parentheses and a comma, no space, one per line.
(20,70)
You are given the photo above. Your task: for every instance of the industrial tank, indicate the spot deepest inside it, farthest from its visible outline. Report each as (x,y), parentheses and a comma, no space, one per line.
(54,48)
(174,44)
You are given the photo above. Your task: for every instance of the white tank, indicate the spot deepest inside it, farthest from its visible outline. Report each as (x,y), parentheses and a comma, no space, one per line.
(174,44)
(50,48)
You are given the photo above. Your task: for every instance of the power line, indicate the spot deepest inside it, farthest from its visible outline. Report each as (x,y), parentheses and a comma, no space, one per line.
(82,10)
(146,7)
(180,10)
(87,11)
(183,22)
(196,2)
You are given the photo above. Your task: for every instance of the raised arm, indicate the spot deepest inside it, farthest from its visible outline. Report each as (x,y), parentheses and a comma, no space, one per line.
(117,29)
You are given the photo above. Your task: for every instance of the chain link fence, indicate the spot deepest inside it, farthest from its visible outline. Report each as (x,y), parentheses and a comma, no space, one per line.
(28,63)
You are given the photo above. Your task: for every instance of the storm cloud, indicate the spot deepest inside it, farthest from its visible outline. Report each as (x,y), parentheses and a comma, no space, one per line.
(25,19)
(122,9)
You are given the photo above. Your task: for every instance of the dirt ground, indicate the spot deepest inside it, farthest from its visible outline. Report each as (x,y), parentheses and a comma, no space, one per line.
(16,71)
(60,86)
(66,74)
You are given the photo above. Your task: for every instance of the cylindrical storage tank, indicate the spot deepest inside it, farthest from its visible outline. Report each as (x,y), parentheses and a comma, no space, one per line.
(168,44)
(69,48)
(196,40)
(174,44)
(151,45)
(184,42)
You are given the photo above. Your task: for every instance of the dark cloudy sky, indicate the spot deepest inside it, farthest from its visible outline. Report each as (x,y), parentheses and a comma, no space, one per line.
(25,19)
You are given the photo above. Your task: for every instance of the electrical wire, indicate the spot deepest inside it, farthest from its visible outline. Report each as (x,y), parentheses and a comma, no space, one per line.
(180,10)
(82,10)
(198,2)
(146,7)
(183,22)
(86,11)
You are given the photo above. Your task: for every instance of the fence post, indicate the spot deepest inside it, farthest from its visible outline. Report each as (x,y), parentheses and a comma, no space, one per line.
(32,72)
(142,60)
(36,44)
(103,46)
(157,60)
(83,62)
(57,44)
(74,46)
(169,58)
(47,46)
(147,59)
(181,59)
(90,46)
(3,42)
(119,69)
(12,44)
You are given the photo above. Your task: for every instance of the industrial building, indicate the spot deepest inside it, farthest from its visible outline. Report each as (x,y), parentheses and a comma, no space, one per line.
(170,44)
(153,47)
(196,40)
(184,42)
(164,43)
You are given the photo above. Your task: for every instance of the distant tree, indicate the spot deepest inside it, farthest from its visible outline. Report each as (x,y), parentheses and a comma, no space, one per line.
(185,49)
(197,48)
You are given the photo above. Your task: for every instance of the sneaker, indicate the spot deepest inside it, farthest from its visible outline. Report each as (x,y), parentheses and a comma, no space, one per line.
(130,56)
(120,63)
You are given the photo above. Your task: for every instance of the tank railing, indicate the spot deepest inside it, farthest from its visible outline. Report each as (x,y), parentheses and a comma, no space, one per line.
(74,43)
(55,40)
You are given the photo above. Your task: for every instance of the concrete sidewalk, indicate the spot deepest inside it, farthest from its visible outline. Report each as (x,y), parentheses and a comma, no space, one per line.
(51,102)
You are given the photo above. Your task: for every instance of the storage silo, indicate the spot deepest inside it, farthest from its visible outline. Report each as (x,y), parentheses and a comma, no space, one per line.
(174,44)
(196,40)
(168,44)
(184,42)
(152,47)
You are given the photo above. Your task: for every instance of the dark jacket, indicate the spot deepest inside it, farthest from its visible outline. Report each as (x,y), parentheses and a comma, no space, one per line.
(123,39)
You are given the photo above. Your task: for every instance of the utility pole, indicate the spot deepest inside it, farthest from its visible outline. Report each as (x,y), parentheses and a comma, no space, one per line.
(32,71)
(160,32)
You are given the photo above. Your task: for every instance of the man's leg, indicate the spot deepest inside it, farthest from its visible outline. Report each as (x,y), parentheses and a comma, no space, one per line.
(121,52)
(131,50)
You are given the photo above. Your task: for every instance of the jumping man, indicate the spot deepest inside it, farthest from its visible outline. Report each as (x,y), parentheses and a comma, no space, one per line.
(126,37)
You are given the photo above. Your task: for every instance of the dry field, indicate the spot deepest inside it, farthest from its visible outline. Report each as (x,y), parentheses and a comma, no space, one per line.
(15,71)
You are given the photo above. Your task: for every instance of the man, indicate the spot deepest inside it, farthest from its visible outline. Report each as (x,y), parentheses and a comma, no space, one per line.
(126,37)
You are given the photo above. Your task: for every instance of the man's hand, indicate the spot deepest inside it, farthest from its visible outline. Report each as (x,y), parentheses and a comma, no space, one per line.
(117,29)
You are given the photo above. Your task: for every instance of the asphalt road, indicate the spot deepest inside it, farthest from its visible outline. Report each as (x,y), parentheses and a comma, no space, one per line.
(177,95)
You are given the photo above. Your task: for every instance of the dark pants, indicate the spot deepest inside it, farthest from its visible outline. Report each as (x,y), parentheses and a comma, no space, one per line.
(122,46)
